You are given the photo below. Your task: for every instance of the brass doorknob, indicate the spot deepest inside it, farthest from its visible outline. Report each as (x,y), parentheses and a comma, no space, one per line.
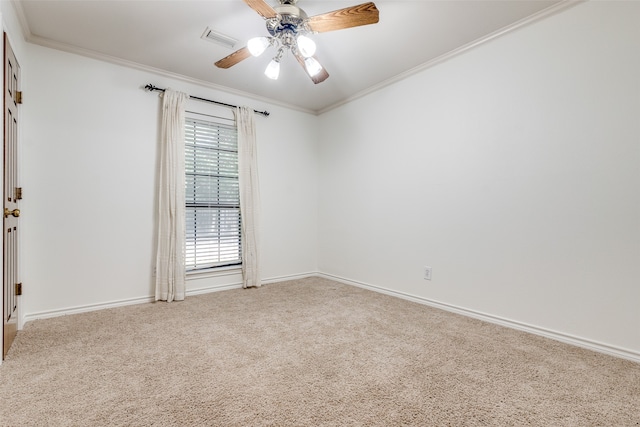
(15,212)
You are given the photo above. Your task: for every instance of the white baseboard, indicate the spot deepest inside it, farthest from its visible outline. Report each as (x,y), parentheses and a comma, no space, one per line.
(237,285)
(120,303)
(290,277)
(558,336)
(142,300)
(85,308)
(215,288)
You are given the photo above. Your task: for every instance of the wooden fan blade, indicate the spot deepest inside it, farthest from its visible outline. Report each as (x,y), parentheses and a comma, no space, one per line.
(318,78)
(262,8)
(234,58)
(354,16)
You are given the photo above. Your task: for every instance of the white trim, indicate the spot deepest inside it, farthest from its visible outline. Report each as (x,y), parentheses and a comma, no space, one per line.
(238,285)
(214,272)
(555,335)
(31,38)
(551,10)
(47,314)
(547,333)
(85,308)
(41,41)
(120,303)
(214,288)
(290,277)
(24,24)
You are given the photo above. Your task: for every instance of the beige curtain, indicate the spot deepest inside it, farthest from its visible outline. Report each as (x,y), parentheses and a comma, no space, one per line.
(170,257)
(249,197)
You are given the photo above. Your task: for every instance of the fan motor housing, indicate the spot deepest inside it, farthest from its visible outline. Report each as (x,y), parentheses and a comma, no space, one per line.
(290,18)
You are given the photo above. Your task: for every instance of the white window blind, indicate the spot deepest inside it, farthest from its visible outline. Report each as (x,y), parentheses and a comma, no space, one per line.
(212,195)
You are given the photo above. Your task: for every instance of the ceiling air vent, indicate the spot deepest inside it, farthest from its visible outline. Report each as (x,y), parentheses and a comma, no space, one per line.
(218,38)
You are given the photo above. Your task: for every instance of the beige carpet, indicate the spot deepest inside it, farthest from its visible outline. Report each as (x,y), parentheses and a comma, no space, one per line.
(304,353)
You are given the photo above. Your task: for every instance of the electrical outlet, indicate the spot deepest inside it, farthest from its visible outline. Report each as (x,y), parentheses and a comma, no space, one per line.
(427,273)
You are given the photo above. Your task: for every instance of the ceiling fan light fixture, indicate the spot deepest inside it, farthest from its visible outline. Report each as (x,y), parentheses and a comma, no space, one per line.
(273,69)
(306,46)
(258,45)
(288,27)
(312,65)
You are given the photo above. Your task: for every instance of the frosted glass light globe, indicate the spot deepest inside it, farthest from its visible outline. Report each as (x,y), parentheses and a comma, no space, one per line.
(313,66)
(306,46)
(257,45)
(273,70)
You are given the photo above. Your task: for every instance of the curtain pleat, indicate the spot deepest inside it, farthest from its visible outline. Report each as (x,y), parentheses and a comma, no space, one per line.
(249,197)
(170,257)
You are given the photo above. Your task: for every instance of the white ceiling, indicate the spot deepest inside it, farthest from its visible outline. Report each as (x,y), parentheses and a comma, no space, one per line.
(166,35)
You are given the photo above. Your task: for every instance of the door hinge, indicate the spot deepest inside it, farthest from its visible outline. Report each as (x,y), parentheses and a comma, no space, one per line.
(18,289)
(18,193)
(18,97)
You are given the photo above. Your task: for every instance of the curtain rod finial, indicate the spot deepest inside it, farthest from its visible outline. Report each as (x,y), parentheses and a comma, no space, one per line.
(151,88)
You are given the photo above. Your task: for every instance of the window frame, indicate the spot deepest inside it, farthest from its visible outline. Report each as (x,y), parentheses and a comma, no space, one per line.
(216,123)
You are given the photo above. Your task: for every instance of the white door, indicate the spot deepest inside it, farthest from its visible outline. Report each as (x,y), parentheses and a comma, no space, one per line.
(12,195)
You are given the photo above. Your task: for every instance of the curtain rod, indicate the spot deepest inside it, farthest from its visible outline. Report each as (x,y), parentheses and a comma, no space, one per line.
(152,88)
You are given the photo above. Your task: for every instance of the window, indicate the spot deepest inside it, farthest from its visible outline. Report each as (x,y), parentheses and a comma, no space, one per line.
(212,195)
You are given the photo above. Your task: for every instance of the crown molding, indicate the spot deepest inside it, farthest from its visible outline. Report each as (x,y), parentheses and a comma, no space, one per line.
(551,10)
(41,41)
(22,19)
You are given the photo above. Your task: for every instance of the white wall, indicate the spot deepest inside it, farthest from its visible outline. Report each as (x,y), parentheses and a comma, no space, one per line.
(512,170)
(90,161)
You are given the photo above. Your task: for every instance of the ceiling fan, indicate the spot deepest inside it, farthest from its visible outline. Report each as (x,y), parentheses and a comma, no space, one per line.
(288,26)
